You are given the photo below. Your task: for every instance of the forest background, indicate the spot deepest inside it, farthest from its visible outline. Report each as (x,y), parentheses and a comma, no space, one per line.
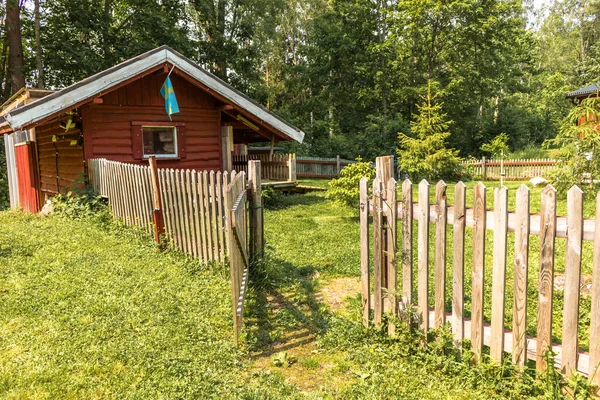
(347,72)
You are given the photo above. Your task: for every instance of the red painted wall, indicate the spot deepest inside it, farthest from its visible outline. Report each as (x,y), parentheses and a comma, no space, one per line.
(107,127)
(27,176)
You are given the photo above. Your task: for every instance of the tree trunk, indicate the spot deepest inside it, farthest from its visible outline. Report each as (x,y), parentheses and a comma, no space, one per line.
(4,78)
(15,46)
(106,24)
(221,62)
(38,45)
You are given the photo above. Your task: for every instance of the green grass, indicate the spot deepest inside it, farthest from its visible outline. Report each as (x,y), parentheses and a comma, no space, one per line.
(310,231)
(316,182)
(93,311)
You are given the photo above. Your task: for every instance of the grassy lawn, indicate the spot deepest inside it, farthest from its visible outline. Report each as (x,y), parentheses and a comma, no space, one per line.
(326,244)
(316,182)
(94,310)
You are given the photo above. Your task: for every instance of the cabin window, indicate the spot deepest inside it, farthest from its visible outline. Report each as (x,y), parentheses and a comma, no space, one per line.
(165,140)
(159,141)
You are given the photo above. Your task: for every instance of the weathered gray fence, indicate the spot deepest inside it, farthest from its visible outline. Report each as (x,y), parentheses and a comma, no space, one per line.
(205,213)
(315,167)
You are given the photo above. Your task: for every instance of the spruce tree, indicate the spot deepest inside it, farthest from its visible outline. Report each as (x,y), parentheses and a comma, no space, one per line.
(424,152)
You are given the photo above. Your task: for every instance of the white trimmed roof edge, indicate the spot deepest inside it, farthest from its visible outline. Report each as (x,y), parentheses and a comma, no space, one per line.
(96,84)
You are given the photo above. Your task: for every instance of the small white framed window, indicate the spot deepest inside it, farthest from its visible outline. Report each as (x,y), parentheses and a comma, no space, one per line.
(159,141)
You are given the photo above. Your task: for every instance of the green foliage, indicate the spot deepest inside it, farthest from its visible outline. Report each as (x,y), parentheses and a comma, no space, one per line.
(497,147)
(283,359)
(270,197)
(579,148)
(530,152)
(347,72)
(81,204)
(425,152)
(309,363)
(344,190)
(82,37)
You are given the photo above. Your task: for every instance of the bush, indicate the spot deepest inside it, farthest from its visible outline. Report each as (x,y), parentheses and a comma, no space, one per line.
(270,197)
(577,141)
(344,190)
(80,204)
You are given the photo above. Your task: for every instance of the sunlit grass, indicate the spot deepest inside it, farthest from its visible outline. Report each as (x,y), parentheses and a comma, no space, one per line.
(92,311)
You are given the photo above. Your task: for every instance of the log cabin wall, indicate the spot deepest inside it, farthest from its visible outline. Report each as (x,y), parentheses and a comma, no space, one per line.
(60,157)
(108,126)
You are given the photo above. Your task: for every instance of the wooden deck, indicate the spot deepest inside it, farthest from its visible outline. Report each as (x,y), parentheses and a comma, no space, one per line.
(282,185)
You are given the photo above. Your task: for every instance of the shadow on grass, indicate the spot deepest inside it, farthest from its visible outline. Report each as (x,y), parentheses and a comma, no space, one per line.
(283,311)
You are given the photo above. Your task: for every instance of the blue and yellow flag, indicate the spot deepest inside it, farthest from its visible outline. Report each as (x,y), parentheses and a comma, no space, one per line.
(168,94)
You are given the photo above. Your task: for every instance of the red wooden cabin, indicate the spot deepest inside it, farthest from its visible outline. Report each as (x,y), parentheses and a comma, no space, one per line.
(119,114)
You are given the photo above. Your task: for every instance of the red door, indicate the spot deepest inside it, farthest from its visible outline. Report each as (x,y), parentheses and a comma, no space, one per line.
(27,177)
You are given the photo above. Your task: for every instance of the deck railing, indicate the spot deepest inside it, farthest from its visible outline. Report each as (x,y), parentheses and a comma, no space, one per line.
(317,167)
(278,167)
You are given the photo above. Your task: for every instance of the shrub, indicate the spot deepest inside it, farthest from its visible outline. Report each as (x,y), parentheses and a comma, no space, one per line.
(270,197)
(578,139)
(79,204)
(344,190)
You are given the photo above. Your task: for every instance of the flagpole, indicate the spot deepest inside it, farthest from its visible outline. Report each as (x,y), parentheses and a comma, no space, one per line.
(172,68)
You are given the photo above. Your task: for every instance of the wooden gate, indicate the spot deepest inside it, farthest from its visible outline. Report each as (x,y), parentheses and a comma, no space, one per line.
(244,204)
(235,203)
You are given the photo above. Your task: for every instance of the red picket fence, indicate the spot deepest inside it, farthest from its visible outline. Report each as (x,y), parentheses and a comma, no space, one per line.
(513,169)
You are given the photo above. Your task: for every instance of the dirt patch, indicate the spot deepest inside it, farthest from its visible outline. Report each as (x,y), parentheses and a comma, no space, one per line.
(294,353)
(335,291)
(303,365)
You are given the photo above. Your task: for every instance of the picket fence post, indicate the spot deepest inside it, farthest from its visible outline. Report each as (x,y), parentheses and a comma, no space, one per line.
(574,228)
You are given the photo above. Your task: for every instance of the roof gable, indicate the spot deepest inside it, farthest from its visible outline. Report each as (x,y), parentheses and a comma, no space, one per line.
(102,82)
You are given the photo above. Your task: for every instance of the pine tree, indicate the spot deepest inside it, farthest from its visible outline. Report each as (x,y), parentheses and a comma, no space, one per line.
(426,154)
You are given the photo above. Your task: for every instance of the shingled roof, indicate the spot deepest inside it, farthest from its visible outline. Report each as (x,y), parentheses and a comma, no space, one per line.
(101,83)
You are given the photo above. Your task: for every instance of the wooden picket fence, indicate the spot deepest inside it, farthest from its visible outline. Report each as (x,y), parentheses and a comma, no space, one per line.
(205,214)
(316,167)
(387,297)
(193,203)
(523,169)
(279,167)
